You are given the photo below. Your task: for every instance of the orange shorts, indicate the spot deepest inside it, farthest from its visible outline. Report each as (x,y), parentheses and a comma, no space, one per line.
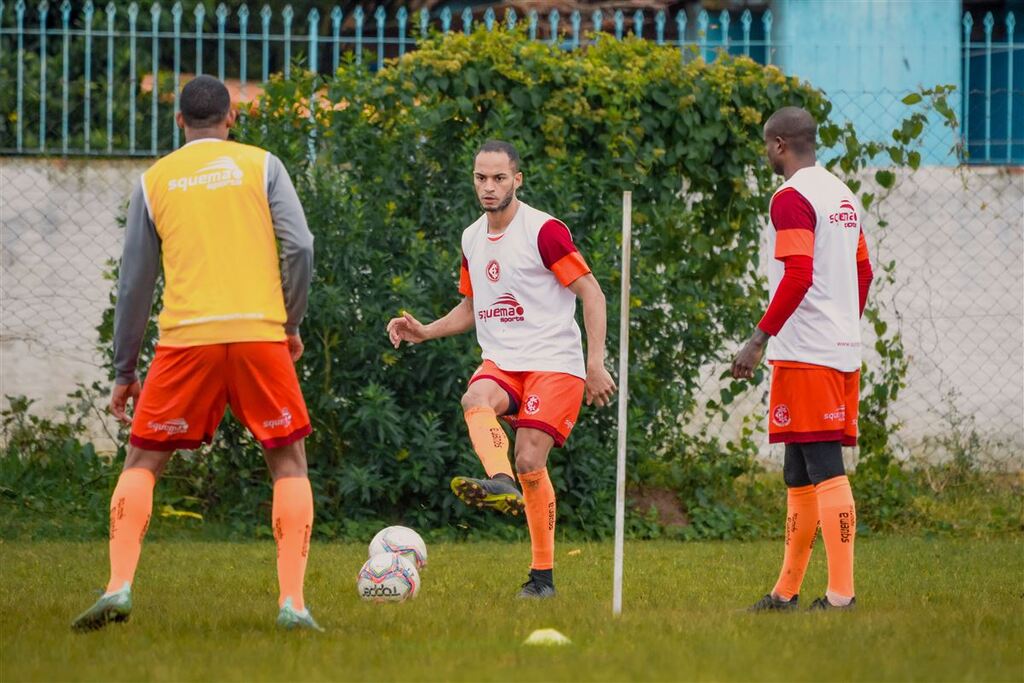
(811,403)
(187,387)
(548,401)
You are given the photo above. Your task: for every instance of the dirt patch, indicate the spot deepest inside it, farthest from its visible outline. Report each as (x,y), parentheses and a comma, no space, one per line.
(665,501)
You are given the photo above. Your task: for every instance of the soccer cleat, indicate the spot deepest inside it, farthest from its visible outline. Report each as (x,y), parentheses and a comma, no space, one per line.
(498,494)
(770,603)
(537,588)
(289,618)
(111,607)
(823,605)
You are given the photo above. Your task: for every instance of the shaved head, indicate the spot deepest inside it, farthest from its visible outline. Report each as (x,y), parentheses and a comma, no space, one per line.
(794,125)
(789,140)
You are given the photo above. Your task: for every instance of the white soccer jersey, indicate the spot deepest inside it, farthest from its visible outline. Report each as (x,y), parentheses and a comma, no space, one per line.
(525,313)
(825,328)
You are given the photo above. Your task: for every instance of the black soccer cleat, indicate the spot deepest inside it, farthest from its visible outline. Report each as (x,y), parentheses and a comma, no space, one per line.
(498,493)
(770,603)
(539,587)
(823,605)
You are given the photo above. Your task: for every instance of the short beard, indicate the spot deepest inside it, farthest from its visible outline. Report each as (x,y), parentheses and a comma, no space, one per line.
(502,205)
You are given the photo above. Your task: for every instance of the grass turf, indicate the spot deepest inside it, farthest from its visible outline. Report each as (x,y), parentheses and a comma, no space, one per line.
(928,609)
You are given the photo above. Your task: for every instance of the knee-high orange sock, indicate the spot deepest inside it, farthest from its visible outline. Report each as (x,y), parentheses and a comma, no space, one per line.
(292,516)
(838,530)
(801,530)
(489,440)
(130,508)
(539,496)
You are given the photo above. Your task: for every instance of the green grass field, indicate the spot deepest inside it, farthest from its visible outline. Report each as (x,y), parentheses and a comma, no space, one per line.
(929,610)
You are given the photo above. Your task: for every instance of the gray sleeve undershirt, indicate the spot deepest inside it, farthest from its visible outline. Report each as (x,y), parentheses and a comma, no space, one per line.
(140,265)
(296,242)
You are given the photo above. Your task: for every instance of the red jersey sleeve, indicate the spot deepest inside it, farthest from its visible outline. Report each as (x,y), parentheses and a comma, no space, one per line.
(864,273)
(794,221)
(559,254)
(465,284)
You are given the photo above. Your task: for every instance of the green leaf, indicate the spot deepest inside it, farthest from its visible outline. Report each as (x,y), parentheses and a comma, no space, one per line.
(912,98)
(885,178)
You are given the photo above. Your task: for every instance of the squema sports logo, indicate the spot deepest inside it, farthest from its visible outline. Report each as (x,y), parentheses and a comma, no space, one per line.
(506,309)
(846,215)
(219,173)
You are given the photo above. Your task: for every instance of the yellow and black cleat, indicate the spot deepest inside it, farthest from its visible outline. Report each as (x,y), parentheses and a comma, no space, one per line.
(499,493)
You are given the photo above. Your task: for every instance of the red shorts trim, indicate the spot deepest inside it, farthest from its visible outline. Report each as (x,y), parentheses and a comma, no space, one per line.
(513,395)
(541,426)
(547,401)
(187,389)
(810,403)
(169,445)
(812,437)
(282,441)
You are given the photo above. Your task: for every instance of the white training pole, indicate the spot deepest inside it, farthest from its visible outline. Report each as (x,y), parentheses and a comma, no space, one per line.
(620,469)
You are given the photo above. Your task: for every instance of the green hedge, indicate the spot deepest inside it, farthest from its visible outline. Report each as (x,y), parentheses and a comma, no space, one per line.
(391,190)
(387,187)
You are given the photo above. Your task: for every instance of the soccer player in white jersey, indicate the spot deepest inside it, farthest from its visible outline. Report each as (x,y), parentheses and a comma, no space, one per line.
(819,278)
(520,277)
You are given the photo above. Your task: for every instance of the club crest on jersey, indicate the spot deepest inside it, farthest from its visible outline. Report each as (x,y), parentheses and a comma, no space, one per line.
(846,215)
(505,309)
(780,415)
(493,271)
(532,404)
(219,173)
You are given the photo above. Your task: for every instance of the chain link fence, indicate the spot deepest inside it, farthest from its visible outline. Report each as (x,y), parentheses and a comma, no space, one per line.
(955,235)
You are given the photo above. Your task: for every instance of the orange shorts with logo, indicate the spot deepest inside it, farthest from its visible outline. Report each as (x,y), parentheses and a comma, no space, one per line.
(548,401)
(810,403)
(187,387)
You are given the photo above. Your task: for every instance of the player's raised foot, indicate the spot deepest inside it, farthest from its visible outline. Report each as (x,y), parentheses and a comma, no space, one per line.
(823,605)
(111,607)
(770,603)
(540,586)
(290,618)
(497,493)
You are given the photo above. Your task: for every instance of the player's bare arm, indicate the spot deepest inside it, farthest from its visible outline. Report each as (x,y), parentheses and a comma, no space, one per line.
(749,357)
(599,387)
(410,330)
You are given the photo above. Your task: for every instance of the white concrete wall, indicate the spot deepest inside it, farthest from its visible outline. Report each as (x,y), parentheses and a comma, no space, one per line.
(58,229)
(957,237)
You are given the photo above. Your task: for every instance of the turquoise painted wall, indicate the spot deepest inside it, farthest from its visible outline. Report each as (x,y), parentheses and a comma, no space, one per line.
(867,54)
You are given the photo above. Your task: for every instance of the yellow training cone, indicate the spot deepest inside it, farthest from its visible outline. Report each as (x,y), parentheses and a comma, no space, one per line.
(546,636)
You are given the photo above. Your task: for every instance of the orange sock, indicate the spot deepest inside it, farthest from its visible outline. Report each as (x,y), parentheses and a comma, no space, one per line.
(539,496)
(838,529)
(801,530)
(130,508)
(489,441)
(292,516)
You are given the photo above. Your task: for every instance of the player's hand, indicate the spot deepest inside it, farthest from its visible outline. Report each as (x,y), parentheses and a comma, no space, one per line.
(406,329)
(599,387)
(295,346)
(747,359)
(119,397)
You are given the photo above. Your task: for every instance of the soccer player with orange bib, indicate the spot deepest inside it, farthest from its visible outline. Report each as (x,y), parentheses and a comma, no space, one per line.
(819,278)
(520,277)
(224,221)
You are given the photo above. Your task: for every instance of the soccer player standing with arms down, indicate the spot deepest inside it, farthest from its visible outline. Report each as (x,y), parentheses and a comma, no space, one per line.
(520,277)
(819,277)
(214,212)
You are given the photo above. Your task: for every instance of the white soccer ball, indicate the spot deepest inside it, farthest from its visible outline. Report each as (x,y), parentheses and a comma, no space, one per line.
(388,577)
(401,540)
